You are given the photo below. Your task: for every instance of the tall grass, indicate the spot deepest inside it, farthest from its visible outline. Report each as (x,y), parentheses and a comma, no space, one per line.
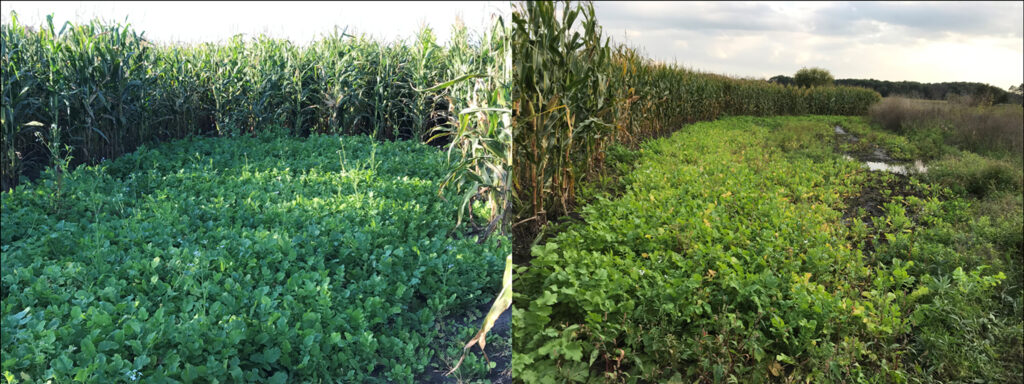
(964,124)
(577,94)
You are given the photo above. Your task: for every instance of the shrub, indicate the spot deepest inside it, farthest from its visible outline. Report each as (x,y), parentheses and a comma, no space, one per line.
(975,175)
(813,77)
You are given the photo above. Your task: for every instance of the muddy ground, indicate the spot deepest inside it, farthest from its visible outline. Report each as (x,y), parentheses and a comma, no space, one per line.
(870,198)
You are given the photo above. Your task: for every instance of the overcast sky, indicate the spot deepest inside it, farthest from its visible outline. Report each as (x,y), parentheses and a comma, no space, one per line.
(297,21)
(926,42)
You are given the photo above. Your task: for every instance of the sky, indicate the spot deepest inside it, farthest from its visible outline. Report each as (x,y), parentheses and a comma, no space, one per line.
(299,22)
(926,42)
(896,41)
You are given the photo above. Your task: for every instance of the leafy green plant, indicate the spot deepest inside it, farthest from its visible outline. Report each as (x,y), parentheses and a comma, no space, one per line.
(731,254)
(238,259)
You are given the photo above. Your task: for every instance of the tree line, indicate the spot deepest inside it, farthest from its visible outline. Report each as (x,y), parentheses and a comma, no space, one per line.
(930,91)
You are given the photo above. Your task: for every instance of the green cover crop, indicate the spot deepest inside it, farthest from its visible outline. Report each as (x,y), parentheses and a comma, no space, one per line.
(740,251)
(238,259)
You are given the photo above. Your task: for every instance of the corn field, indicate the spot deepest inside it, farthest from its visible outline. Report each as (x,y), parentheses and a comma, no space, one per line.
(577,94)
(81,94)
(77,94)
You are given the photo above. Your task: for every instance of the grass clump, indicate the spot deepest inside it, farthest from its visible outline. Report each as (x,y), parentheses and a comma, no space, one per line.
(976,175)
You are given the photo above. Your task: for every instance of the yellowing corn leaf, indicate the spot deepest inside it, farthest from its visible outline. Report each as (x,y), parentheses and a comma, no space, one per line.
(501,304)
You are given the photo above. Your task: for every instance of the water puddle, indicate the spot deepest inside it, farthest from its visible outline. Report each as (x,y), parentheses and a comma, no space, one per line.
(902,169)
(878,160)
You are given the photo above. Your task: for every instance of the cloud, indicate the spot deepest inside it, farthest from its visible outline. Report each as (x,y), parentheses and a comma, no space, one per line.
(928,42)
(922,19)
(681,16)
(841,18)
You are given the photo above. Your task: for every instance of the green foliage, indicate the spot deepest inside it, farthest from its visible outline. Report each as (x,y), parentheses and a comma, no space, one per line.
(736,254)
(108,89)
(979,176)
(899,147)
(482,172)
(935,91)
(577,95)
(927,91)
(813,77)
(481,138)
(563,100)
(474,368)
(807,138)
(238,259)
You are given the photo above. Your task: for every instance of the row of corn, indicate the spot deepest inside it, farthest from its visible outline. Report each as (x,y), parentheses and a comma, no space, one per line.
(76,94)
(578,94)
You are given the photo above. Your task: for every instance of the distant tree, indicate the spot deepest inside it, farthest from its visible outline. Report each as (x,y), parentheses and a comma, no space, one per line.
(813,77)
(1016,94)
(935,91)
(975,93)
(781,79)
